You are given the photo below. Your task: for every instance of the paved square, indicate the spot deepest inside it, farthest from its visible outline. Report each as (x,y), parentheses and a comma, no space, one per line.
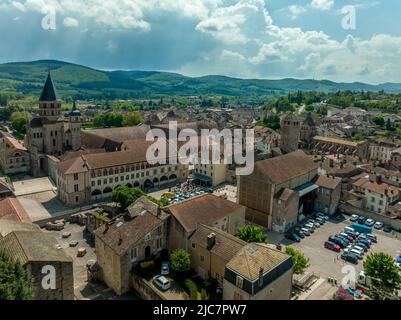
(326,263)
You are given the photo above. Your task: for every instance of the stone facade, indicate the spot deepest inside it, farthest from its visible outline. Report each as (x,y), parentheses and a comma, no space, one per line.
(50,133)
(14,157)
(290,133)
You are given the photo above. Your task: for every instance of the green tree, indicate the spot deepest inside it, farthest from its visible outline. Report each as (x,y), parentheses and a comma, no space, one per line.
(132,119)
(180,260)
(300,261)
(251,233)
(15,281)
(19,121)
(379,121)
(125,196)
(383,271)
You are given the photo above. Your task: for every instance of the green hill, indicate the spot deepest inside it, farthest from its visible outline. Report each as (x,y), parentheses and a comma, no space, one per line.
(84,82)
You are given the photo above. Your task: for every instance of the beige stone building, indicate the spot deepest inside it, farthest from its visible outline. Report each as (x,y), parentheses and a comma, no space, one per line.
(382,150)
(376,195)
(211,249)
(328,195)
(38,253)
(91,177)
(258,272)
(14,157)
(279,190)
(51,133)
(125,241)
(206,209)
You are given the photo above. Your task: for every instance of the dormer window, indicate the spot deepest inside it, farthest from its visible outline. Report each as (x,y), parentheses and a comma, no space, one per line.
(148,237)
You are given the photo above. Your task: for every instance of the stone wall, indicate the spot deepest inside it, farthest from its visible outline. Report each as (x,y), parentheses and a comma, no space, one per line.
(144,290)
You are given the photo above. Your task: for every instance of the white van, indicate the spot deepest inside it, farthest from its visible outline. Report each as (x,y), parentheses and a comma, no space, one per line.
(349,229)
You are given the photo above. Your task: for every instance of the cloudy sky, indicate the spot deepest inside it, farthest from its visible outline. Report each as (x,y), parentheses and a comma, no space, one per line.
(242,38)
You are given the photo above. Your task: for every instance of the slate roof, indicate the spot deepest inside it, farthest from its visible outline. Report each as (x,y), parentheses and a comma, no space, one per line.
(49,92)
(204,209)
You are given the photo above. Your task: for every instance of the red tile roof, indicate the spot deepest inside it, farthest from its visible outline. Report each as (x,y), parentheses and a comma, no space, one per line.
(11,208)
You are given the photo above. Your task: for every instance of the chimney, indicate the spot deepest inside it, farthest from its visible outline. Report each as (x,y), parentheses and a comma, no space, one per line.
(120,241)
(341,164)
(386,192)
(331,163)
(211,240)
(379,179)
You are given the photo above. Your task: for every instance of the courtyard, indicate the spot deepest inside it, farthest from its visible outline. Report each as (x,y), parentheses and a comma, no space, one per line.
(84,289)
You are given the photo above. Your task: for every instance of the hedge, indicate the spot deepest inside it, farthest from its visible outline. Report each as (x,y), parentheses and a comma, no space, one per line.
(192,289)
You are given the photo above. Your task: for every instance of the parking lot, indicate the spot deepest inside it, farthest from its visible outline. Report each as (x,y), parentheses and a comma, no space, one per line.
(327,263)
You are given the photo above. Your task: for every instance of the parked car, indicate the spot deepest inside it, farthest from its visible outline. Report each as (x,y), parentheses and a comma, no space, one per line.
(320,220)
(354,218)
(356,252)
(349,257)
(338,241)
(364,237)
(165,268)
(294,237)
(372,237)
(365,241)
(332,246)
(310,227)
(370,222)
(161,282)
(306,232)
(387,229)
(349,229)
(323,216)
(361,246)
(361,220)
(350,237)
(378,225)
(347,236)
(299,233)
(345,239)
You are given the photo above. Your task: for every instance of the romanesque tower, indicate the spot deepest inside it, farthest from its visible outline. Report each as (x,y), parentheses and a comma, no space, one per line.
(290,133)
(74,139)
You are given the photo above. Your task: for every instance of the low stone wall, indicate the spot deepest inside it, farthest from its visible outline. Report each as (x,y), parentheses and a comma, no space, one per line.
(144,290)
(349,209)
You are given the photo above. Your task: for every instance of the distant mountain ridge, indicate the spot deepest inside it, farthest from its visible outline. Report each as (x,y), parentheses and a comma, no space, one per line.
(85,82)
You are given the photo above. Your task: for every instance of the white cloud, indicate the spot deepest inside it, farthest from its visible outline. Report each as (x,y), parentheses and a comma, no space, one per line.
(19,6)
(322,4)
(296,10)
(70,22)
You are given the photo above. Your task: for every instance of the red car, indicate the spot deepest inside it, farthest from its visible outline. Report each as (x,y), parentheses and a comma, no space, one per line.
(332,246)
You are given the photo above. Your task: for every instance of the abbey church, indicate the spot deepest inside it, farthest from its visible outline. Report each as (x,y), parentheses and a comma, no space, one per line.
(49,134)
